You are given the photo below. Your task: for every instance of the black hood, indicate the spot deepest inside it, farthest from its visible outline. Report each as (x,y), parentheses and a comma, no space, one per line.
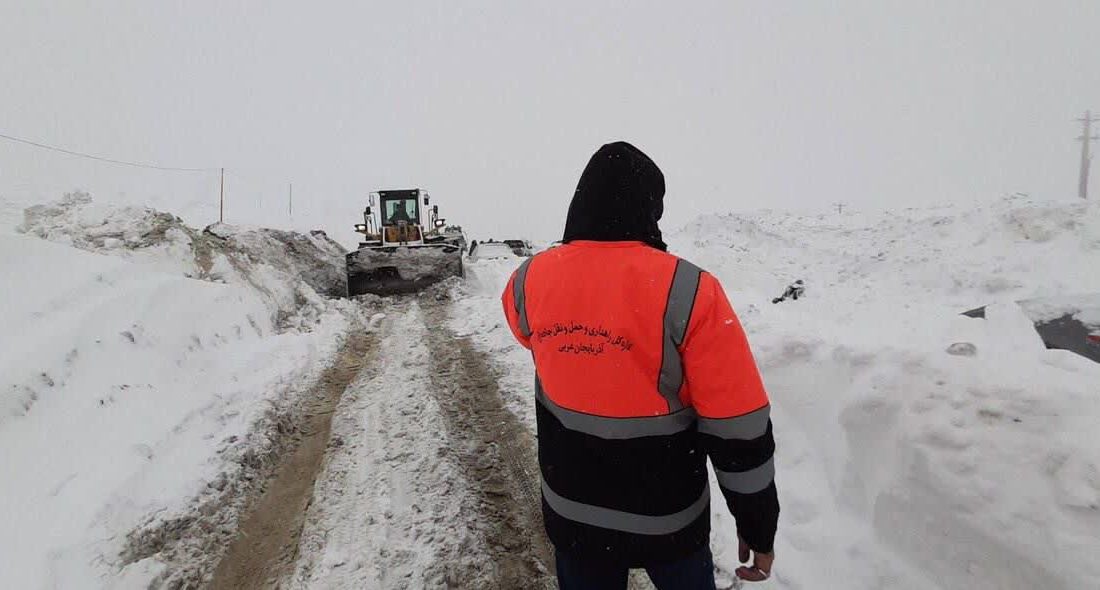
(620,197)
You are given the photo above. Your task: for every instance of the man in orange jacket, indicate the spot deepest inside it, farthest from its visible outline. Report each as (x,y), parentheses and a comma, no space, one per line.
(642,372)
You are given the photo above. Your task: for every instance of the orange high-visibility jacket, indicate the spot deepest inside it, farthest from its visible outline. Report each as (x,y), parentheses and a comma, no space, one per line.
(643,370)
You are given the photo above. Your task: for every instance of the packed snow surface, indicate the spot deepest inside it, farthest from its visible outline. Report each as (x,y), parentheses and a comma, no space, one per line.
(901,464)
(410,527)
(138,361)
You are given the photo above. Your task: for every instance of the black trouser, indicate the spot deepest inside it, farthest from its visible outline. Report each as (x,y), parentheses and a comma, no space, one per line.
(694,572)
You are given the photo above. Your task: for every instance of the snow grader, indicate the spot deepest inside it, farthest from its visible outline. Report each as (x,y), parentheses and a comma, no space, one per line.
(406,246)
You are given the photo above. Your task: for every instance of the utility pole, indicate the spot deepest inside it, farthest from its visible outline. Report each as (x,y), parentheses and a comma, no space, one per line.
(221,199)
(290,201)
(1086,159)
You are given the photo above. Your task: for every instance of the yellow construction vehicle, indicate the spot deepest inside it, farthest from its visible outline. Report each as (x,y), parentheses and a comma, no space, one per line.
(406,246)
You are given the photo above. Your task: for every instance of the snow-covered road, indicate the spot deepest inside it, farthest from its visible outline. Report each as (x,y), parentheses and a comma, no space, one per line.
(429,480)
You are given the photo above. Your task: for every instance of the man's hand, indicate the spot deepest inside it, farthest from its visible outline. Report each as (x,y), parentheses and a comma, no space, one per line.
(761,563)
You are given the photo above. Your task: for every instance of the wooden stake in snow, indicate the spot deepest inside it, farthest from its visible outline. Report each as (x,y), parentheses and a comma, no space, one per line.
(221,199)
(1086,159)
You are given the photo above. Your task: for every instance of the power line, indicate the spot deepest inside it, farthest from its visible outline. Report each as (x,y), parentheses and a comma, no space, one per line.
(101,158)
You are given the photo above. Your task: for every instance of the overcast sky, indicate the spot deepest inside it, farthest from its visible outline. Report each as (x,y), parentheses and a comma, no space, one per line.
(495,107)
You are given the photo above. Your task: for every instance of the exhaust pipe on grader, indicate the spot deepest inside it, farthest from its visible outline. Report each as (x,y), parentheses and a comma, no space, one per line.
(405,247)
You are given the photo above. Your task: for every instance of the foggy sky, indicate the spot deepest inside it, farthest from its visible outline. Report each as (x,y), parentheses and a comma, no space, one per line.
(495,107)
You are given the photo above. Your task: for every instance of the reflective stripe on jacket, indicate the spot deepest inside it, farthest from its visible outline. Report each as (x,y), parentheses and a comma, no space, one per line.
(643,370)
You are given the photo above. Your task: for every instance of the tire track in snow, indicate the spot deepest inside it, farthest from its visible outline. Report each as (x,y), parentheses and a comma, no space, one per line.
(429,480)
(497,453)
(392,508)
(264,549)
(383,502)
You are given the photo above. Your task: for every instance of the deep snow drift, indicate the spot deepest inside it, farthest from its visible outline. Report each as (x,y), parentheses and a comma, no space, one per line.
(901,465)
(131,392)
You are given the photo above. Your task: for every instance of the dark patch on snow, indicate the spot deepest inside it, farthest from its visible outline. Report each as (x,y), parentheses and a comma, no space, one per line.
(1063,333)
(962,349)
(1069,333)
(977,313)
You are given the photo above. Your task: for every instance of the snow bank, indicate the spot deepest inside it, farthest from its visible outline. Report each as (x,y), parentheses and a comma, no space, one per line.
(1083,308)
(901,465)
(314,257)
(976,471)
(290,270)
(130,392)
